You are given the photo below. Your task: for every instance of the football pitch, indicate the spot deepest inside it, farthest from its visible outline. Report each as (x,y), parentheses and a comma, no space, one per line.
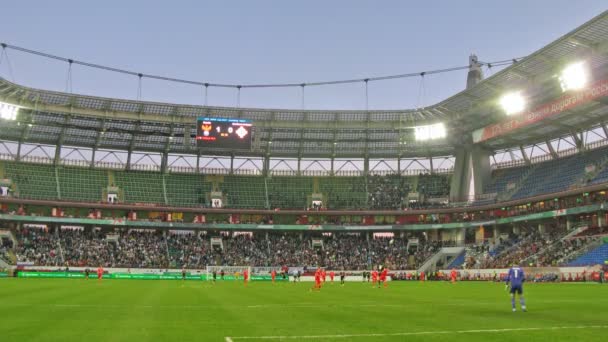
(149,310)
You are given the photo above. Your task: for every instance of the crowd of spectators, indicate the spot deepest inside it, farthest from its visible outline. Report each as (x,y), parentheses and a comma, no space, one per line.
(387,192)
(562,250)
(6,245)
(351,251)
(38,246)
(177,249)
(527,245)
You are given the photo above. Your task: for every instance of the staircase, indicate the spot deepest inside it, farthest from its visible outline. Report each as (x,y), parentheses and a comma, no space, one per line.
(444,253)
(458,261)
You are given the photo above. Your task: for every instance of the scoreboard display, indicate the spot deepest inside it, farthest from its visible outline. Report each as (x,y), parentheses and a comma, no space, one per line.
(224,133)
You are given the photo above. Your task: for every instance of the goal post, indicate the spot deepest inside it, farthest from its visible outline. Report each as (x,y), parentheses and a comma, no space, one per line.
(230,272)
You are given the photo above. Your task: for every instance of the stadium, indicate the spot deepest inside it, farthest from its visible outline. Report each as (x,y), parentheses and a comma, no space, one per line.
(163,221)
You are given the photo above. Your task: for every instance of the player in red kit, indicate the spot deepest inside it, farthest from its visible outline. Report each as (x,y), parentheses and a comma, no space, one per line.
(246,276)
(317,286)
(273,275)
(374,277)
(99,273)
(323,275)
(331,276)
(383,276)
(453,275)
(422,276)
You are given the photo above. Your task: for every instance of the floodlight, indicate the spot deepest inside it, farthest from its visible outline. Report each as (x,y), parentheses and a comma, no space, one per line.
(430,132)
(8,111)
(574,77)
(513,103)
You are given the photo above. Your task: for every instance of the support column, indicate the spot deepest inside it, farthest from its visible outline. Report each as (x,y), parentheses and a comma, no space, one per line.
(399,165)
(601,219)
(57,159)
(198,162)
(266,166)
(164,162)
(128,167)
(459,189)
(482,171)
(299,171)
(366,165)
(232,164)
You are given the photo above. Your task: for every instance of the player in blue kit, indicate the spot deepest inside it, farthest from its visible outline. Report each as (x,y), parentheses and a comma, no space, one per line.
(516,278)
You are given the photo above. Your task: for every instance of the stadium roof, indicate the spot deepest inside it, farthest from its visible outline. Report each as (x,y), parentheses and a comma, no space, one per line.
(57,118)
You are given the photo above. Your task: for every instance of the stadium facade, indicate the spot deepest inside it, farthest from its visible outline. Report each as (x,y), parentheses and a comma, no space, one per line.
(100,160)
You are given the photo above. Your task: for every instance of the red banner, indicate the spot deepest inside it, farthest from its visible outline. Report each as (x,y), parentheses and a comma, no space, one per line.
(594,91)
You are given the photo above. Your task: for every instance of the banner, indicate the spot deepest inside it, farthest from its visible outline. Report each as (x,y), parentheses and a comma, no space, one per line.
(568,101)
(78,275)
(3,274)
(304,227)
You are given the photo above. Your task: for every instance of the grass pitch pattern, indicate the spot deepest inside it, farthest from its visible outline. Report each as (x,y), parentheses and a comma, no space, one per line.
(132,310)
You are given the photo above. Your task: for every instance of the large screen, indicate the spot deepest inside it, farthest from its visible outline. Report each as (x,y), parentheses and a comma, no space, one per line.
(224,133)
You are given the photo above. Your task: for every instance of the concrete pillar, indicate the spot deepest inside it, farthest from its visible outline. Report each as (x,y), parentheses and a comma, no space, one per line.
(459,189)
(482,172)
(541,228)
(601,219)
(516,230)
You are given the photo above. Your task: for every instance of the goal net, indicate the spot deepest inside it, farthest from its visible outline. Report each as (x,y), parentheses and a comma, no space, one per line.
(227,272)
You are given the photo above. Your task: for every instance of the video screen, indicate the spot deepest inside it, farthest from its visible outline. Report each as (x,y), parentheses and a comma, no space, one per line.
(224,133)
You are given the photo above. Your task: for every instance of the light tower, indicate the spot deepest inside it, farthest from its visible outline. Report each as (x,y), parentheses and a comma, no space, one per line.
(475,73)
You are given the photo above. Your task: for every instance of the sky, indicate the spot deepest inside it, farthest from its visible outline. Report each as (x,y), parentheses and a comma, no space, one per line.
(247,42)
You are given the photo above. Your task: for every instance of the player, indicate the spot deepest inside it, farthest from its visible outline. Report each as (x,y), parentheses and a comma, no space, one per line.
(99,273)
(453,275)
(516,279)
(222,274)
(86,273)
(374,277)
(214,275)
(324,275)
(342,277)
(383,276)
(183,273)
(331,276)
(317,286)
(422,275)
(273,275)
(245,276)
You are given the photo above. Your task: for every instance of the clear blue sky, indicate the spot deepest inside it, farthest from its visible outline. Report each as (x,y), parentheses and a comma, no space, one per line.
(278,41)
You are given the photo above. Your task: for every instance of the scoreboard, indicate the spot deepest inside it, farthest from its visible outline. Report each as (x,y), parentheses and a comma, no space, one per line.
(224,133)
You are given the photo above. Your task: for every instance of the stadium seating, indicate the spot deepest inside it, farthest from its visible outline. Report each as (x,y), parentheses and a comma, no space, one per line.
(344,192)
(33,181)
(502,177)
(186,190)
(289,192)
(596,256)
(458,261)
(140,187)
(244,191)
(79,184)
(549,176)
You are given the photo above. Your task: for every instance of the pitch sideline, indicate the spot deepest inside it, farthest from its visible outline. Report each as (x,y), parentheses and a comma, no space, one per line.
(440,332)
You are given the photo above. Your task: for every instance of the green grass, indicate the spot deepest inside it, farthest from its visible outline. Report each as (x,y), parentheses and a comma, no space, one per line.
(140,310)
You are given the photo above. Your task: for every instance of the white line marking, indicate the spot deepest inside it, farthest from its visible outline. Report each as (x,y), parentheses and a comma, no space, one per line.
(228,339)
(438,332)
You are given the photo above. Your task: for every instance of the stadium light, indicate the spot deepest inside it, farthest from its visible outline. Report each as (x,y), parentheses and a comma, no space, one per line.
(574,77)
(513,103)
(430,132)
(8,111)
